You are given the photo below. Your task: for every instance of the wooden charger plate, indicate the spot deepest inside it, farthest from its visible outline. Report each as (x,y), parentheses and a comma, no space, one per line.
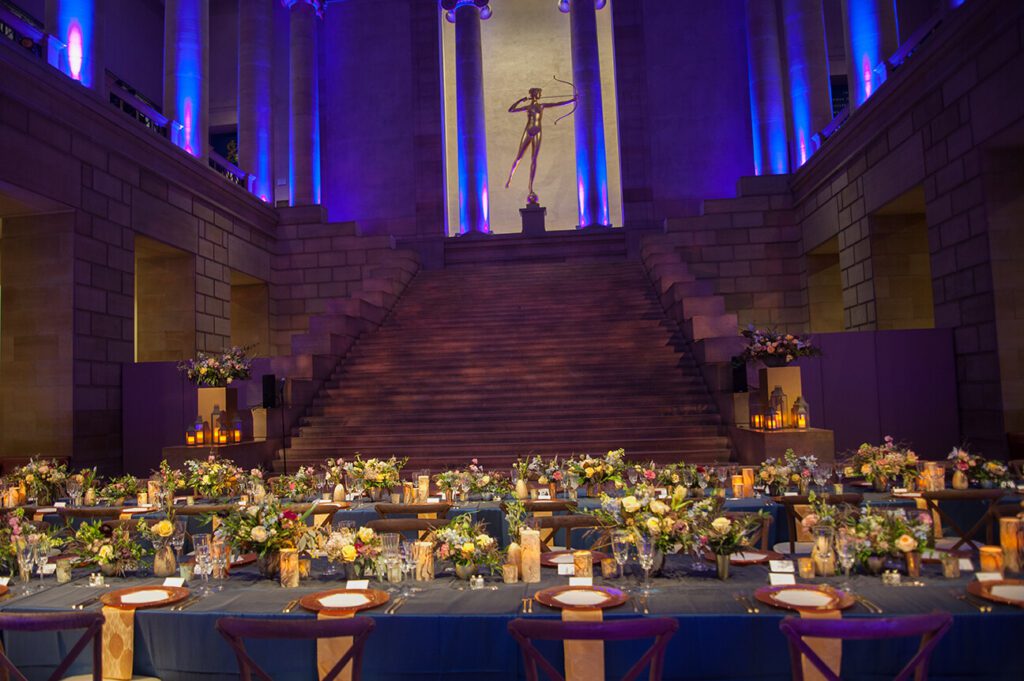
(614,597)
(838,600)
(374,598)
(3,591)
(748,558)
(552,559)
(244,559)
(116,599)
(984,590)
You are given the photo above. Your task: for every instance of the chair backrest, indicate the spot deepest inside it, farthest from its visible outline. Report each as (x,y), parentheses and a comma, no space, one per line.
(567,523)
(390,510)
(236,629)
(793,515)
(759,538)
(661,629)
(91,622)
(90,513)
(549,506)
(930,628)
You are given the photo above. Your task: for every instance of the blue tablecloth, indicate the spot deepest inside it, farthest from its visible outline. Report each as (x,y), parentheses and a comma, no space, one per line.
(448,632)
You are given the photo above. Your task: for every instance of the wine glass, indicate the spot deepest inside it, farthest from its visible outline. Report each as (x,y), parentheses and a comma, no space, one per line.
(390,543)
(408,551)
(846,546)
(219,557)
(25,552)
(631,473)
(722,473)
(620,549)
(42,557)
(840,471)
(204,566)
(178,538)
(702,482)
(821,475)
(75,492)
(645,554)
(687,477)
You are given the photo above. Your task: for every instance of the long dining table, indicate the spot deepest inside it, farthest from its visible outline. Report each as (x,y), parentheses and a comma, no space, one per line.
(448,631)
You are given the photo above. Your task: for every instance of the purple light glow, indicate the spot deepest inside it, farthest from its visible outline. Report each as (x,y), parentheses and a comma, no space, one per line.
(75,50)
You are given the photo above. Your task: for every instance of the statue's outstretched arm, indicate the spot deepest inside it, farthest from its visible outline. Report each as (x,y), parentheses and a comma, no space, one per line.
(515,107)
(551,105)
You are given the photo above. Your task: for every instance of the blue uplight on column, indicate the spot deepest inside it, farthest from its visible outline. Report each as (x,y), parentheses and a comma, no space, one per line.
(865,38)
(188,73)
(75,20)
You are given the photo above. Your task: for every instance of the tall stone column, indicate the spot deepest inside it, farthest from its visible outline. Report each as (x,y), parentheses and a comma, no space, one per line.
(74,40)
(870,32)
(186,73)
(767,100)
(591,162)
(472,128)
(255,123)
(304,104)
(810,93)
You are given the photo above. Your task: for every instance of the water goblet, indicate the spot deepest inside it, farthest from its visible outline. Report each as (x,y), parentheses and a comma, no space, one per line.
(702,481)
(645,550)
(631,473)
(204,566)
(821,475)
(178,538)
(75,492)
(687,477)
(42,557)
(621,541)
(846,550)
(823,539)
(722,473)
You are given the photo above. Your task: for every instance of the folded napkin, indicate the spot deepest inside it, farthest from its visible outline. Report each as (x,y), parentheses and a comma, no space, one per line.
(118,643)
(830,650)
(330,650)
(584,660)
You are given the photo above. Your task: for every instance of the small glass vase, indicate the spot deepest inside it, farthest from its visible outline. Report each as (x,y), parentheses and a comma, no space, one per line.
(722,563)
(465,571)
(960,480)
(164,564)
(269,566)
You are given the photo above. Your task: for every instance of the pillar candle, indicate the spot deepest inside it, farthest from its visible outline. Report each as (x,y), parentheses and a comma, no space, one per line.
(583,562)
(153,489)
(423,551)
(991,558)
(515,555)
(1008,529)
(90,497)
(423,489)
(749,475)
(737,486)
(609,568)
(806,566)
(529,540)
(142,498)
(289,568)
(509,573)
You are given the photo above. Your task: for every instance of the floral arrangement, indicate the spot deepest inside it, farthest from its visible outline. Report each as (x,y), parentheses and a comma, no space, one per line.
(360,547)
(86,477)
(214,371)
(43,479)
(598,470)
(213,477)
(891,531)
(304,484)
(724,536)
(886,462)
(545,471)
(13,529)
(669,523)
(482,482)
(778,474)
(106,545)
(334,471)
(977,468)
(119,489)
(993,471)
(375,473)
(466,543)
(824,514)
(170,480)
(266,528)
(452,482)
(775,348)
(159,532)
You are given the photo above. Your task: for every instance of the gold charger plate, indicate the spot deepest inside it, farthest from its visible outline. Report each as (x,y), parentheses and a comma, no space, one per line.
(984,590)
(374,598)
(3,591)
(837,600)
(116,599)
(550,558)
(549,597)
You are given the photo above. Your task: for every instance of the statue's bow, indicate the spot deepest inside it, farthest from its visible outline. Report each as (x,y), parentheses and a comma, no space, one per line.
(575,94)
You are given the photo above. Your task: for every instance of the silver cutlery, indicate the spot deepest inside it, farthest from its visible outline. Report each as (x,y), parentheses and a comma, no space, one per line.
(186,603)
(399,602)
(529,606)
(871,606)
(969,600)
(748,603)
(84,604)
(636,606)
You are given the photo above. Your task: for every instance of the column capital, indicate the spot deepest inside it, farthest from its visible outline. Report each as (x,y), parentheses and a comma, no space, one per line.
(449,7)
(563,5)
(317,5)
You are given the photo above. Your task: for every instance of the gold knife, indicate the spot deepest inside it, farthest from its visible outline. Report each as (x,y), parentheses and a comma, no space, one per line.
(291,604)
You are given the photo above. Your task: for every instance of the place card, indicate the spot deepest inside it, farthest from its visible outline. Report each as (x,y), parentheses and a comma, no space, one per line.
(60,504)
(49,568)
(966,564)
(544,493)
(4,581)
(174,581)
(566,569)
(433,500)
(931,554)
(899,490)
(443,496)
(581,581)
(357,584)
(790,494)
(781,566)
(988,576)
(780,578)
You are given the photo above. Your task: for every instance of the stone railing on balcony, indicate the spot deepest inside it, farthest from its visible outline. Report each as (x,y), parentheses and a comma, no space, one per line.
(18,26)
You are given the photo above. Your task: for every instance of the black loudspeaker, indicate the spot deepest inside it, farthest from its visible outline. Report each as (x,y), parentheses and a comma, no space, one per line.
(269,391)
(739,376)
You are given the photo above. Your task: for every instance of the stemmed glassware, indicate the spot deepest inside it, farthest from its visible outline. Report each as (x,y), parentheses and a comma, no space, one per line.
(687,477)
(25,552)
(178,538)
(846,549)
(821,475)
(391,559)
(75,492)
(722,473)
(631,474)
(621,541)
(204,561)
(702,481)
(840,471)
(408,551)
(42,557)
(824,537)
(645,549)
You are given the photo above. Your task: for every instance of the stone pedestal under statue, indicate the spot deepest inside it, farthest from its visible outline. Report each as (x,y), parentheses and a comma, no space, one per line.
(533,219)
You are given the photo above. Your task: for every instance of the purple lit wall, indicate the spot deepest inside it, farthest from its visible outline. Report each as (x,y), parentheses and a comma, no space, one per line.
(186,65)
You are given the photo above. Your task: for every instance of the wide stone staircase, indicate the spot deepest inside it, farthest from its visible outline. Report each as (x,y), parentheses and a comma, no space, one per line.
(496,361)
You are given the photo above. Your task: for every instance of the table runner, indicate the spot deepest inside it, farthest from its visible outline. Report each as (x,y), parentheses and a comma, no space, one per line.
(584,660)
(118,643)
(330,650)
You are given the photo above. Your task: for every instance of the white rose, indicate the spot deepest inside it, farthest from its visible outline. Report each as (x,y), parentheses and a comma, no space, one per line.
(258,534)
(721,525)
(630,504)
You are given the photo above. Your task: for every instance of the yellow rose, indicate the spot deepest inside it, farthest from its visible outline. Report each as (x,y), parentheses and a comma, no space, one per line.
(543,480)
(906,543)
(654,525)
(202,370)
(29,478)
(721,525)
(659,507)
(911,458)
(468,549)
(484,541)
(105,553)
(589,471)
(667,523)
(348,553)
(365,534)
(865,469)
(630,504)
(164,529)
(486,480)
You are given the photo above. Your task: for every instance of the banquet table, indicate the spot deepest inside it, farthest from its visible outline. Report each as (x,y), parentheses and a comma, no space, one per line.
(448,631)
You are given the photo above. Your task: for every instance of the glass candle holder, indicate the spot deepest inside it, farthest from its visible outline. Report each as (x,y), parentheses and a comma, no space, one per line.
(950,565)
(63,570)
(289,568)
(805,566)
(609,568)
(991,558)
(510,573)
(583,563)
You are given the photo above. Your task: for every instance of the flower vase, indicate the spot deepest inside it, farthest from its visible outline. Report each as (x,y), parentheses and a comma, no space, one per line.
(987,484)
(522,490)
(591,490)
(913,559)
(338,495)
(269,565)
(164,564)
(108,569)
(881,483)
(803,486)
(960,480)
(875,564)
(552,490)
(465,571)
(722,563)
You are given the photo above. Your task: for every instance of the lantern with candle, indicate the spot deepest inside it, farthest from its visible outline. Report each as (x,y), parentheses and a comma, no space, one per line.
(757,411)
(801,414)
(215,423)
(236,427)
(200,431)
(778,402)
(771,419)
